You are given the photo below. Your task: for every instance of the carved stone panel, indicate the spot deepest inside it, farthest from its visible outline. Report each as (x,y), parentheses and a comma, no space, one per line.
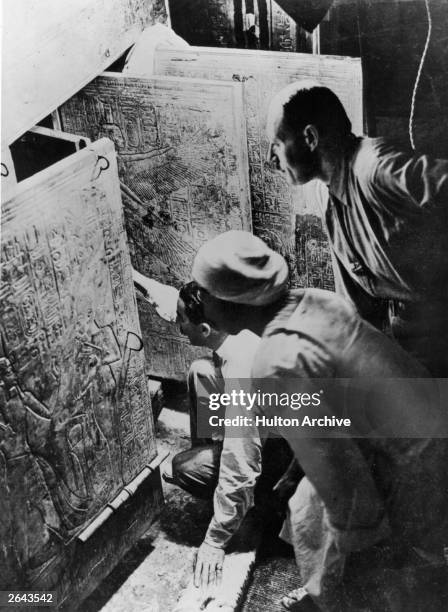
(274,203)
(182,161)
(75,413)
(313,254)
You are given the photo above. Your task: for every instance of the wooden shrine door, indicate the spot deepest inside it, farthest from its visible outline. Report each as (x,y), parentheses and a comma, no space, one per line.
(286,218)
(77,447)
(182,161)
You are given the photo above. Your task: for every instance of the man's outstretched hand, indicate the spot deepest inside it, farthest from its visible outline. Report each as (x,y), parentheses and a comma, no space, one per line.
(208,566)
(163,297)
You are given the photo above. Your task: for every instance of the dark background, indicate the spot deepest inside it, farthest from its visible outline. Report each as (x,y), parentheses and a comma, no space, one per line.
(389,36)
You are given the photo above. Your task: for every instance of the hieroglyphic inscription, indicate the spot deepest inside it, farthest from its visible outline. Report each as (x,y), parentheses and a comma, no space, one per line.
(313,253)
(182,158)
(75,414)
(222,26)
(282,29)
(204,22)
(274,203)
(164,340)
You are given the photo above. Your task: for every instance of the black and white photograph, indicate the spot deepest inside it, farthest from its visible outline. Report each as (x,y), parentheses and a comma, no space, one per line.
(224,306)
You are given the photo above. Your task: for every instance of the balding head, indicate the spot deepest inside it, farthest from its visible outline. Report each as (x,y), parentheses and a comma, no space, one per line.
(307,124)
(284,96)
(307,102)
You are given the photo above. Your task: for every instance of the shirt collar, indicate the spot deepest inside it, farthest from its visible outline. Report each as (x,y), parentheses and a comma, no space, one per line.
(338,186)
(225,348)
(234,344)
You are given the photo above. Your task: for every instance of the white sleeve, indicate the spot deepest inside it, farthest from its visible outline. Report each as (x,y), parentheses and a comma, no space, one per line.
(162,297)
(239,470)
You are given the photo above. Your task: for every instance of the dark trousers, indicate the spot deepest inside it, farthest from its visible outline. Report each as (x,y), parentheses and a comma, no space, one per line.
(197,470)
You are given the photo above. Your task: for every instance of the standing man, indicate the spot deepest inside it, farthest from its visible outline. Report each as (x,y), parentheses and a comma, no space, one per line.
(382,483)
(385,212)
(225,468)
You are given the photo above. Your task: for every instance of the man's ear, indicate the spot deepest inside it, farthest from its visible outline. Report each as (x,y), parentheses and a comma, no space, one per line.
(205,329)
(311,136)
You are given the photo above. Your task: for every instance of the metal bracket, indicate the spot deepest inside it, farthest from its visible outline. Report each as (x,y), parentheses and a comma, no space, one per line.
(102,164)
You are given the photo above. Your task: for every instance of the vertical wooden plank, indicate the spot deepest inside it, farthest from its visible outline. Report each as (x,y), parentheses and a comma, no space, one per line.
(274,203)
(75,412)
(182,158)
(282,29)
(206,22)
(222,23)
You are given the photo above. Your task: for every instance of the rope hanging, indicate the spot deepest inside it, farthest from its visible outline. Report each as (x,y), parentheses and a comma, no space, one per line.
(419,74)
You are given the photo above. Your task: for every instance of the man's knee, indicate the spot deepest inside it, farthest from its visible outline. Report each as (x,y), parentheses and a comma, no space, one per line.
(196,470)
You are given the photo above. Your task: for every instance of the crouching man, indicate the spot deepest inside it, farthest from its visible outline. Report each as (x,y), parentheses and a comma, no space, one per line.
(223,467)
(384,484)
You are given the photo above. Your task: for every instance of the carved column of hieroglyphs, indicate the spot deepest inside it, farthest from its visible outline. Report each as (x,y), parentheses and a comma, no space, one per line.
(204,22)
(75,414)
(282,29)
(182,158)
(274,204)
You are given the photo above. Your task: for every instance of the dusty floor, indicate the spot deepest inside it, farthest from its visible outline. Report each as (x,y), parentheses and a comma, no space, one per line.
(274,576)
(153,574)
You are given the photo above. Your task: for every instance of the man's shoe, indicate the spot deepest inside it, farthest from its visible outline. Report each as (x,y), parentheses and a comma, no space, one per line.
(297,600)
(168,478)
(167,472)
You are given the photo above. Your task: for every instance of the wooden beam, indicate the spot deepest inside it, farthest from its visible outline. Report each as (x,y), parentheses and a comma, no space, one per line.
(52,48)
